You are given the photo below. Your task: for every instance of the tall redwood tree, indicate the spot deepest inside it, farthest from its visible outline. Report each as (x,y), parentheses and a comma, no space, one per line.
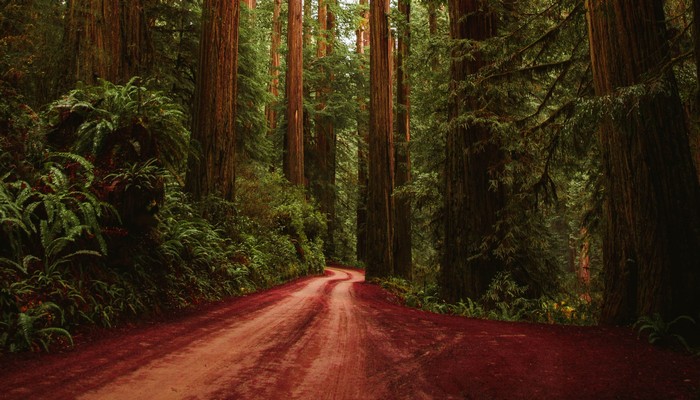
(213,123)
(294,137)
(472,156)
(380,201)
(651,246)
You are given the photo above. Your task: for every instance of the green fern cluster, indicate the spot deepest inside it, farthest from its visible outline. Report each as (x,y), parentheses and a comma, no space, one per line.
(121,124)
(52,232)
(662,332)
(96,229)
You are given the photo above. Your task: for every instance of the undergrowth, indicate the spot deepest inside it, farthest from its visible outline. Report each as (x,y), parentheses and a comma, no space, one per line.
(504,301)
(95,228)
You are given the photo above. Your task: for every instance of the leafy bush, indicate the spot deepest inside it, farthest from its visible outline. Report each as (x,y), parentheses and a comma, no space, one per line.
(107,234)
(504,300)
(53,234)
(277,227)
(120,125)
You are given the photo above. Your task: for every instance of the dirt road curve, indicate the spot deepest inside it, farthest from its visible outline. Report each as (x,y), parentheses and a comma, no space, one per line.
(334,337)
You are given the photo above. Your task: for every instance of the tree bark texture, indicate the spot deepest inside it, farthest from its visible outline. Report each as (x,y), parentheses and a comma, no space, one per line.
(214,119)
(108,39)
(294,138)
(362,42)
(651,241)
(380,201)
(471,204)
(402,223)
(270,112)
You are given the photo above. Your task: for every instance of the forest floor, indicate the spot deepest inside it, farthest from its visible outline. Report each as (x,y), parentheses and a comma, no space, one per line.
(335,337)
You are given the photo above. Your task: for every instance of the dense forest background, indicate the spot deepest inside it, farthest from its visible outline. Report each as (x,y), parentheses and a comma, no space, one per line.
(520,160)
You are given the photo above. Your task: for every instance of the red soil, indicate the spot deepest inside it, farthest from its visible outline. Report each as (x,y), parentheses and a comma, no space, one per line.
(335,337)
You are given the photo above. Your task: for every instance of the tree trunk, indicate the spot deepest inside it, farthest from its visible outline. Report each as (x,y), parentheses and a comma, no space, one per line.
(471,205)
(250,3)
(270,112)
(294,138)
(213,123)
(363,138)
(402,223)
(380,202)
(651,247)
(108,39)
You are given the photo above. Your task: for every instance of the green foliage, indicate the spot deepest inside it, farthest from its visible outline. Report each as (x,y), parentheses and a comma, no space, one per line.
(505,300)
(661,332)
(175,32)
(32,328)
(74,247)
(52,231)
(119,124)
(32,52)
(20,142)
(253,94)
(277,227)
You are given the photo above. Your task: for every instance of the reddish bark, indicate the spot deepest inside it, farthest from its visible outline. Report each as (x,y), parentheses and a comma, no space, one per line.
(380,201)
(294,138)
(214,120)
(108,39)
(472,160)
(651,245)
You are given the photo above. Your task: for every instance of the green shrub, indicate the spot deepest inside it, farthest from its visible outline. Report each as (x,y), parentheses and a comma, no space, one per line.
(120,125)
(100,231)
(504,300)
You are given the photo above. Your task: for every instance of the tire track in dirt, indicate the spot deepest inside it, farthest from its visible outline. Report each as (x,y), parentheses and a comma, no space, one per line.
(243,360)
(335,337)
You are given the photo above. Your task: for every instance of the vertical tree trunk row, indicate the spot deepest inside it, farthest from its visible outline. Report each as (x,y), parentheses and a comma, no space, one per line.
(380,202)
(213,124)
(471,204)
(294,138)
(402,225)
(651,242)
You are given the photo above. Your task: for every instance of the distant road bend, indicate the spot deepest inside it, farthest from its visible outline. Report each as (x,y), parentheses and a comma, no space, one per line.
(334,337)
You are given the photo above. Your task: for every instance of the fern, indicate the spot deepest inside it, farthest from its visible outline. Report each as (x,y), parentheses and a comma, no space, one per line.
(658,330)
(28,331)
(115,115)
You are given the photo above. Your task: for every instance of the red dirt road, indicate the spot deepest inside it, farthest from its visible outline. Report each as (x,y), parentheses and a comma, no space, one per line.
(334,337)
